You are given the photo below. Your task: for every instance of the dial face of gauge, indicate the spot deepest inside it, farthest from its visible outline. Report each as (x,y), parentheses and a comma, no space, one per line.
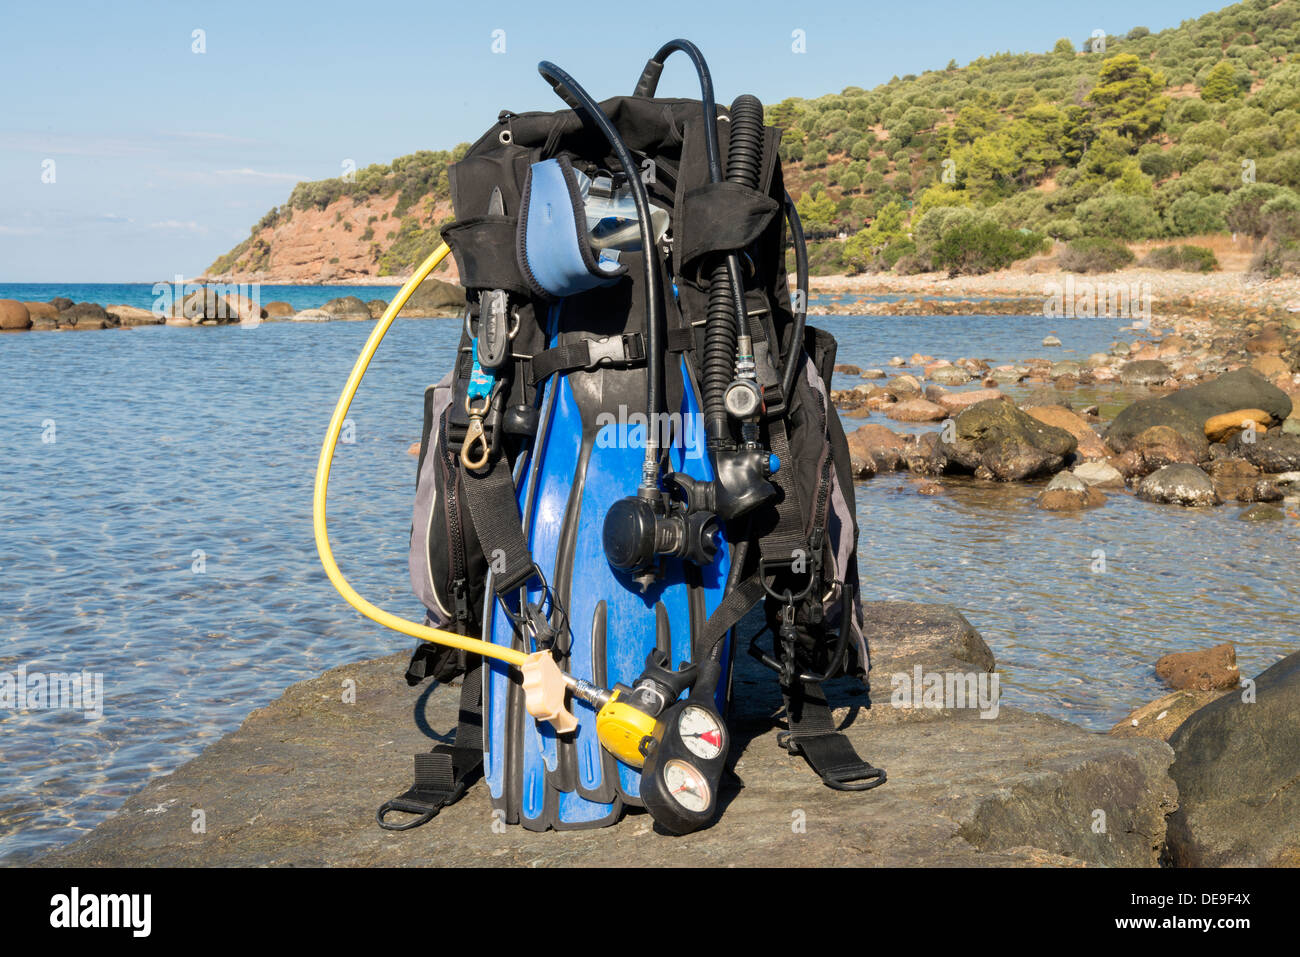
(687,786)
(700,732)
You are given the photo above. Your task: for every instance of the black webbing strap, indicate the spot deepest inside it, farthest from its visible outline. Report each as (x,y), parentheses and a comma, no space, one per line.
(734,606)
(621,351)
(494,509)
(788,537)
(828,752)
(444,774)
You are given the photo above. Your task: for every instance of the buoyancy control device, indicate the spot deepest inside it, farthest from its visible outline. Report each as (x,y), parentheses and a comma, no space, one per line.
(634,448)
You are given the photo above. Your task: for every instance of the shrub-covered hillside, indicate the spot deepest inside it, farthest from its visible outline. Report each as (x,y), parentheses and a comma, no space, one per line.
(1136,136)
(1192,130)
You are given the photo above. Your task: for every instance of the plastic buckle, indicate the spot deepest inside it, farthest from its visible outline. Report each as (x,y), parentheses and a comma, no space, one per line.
(610,350)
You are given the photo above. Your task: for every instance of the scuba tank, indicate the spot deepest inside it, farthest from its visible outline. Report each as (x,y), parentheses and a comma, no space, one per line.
(634,448)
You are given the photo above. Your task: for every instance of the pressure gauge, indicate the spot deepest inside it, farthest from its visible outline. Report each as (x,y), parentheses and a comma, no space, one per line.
(683,765)
(701,732)
(687,786)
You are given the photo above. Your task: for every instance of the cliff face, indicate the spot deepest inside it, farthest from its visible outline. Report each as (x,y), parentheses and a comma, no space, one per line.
(346,241)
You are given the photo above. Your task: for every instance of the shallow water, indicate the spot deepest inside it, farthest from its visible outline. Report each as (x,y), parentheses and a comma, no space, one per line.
(163,539)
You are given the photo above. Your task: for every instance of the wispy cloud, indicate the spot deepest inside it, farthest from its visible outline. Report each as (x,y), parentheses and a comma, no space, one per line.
(62,144)
(207,136)
(247,173)
(188,226)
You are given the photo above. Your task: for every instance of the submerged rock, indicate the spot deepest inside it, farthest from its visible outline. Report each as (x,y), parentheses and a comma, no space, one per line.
(1205,669)
(1262,513)
(1235,766)
(996,440)
(876,443)
(1178,485)
(1065,493)
(1231,476)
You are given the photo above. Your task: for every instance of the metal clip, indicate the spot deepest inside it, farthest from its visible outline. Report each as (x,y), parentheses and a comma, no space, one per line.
(475,436)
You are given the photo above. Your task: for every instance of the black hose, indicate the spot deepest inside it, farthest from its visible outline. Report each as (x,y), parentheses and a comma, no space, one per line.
(726,315)
(801,309)
(572,92)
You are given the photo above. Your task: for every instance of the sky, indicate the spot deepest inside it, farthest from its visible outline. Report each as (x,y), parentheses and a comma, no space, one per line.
(133,148)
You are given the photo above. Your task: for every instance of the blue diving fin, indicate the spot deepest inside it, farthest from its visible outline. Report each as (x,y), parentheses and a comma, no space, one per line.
(587,454)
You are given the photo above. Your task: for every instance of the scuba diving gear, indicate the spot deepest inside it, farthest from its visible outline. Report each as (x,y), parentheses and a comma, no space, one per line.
(634,447)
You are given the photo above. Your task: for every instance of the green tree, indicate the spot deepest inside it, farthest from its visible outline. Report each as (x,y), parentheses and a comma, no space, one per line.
(816,213)
(1063,45)
(1220,83)
(1127,99)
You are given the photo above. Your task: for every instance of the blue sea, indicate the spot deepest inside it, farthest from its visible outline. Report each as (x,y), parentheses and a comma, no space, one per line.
(142,294)
(155,529)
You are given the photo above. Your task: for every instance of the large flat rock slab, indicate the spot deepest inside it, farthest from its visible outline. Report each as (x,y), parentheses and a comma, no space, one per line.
(299,781)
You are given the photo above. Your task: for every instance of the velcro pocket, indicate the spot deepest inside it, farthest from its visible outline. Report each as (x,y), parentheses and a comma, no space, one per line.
(484,247)
(721,217)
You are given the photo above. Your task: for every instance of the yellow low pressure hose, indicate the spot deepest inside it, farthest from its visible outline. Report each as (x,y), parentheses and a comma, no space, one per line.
(414,629)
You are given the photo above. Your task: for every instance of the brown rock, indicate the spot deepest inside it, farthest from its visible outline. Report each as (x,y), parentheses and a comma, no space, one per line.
(41,310)
(133,316)
(903,386)
(1270,366)
(881,445)
(1208,669)
(14,315)
(1161,718)
(846,369)
(1267,343)
(917,410)
(278,310)
(1221,427)
(85,315)
(1161,445)
(1231,476)
(1091,447)
(956,401)
(1066,493)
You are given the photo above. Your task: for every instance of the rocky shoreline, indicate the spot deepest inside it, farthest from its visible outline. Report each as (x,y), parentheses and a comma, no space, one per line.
(297,783)
(1222,421)
(1231,296)
(219,306)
